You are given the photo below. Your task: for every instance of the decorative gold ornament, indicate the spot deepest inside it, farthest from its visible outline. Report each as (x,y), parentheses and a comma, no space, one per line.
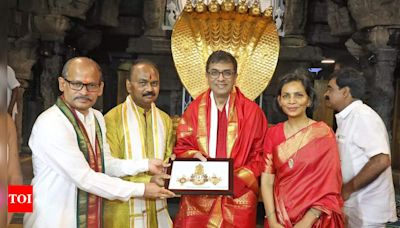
(200,6)
(213,6)
(252,40)
(228,5)
(268,12)
(199,177)
(255,9)
(188,6)
(242,7)
(215,180)
(182,180)
(199,170)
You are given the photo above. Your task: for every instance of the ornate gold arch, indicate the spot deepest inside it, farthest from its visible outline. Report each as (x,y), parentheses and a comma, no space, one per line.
(246,33)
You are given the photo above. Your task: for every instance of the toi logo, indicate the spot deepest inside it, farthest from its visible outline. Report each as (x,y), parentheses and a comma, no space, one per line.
(20,198)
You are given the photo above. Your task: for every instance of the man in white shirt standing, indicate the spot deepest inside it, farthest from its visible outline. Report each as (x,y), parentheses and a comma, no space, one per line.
(71,158)
(12,92)
(364,152)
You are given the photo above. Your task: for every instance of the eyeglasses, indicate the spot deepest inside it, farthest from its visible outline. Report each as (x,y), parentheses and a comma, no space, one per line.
(225,73)
(77,86)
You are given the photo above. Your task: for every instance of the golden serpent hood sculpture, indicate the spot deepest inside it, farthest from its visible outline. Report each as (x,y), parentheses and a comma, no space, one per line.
(245,32)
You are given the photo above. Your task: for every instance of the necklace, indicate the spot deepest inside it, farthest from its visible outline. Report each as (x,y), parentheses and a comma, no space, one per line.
(291,160)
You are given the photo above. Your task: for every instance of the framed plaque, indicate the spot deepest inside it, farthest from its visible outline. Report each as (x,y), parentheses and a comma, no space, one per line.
(194,177)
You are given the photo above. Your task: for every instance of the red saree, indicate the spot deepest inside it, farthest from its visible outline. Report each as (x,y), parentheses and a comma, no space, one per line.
(314,179)
(246,129)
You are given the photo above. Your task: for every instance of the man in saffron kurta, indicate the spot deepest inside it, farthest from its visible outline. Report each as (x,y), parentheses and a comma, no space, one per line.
(137,129)
(223,123)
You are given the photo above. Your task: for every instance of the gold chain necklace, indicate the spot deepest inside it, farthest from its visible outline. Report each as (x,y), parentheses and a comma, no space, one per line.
(291,160)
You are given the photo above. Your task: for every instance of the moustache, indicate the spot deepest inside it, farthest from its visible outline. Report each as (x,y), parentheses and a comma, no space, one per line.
(83,97)
(326,98)
(149,93)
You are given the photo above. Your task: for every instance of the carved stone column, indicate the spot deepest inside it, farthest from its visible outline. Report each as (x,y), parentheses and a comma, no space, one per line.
(49,79)
(153,17)
(52,30)
(104,12)
(51,27)
(382,93)
(339,19)
(154,39)
(295,22)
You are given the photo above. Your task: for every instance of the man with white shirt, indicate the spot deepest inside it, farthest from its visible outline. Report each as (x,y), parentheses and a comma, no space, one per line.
(12,92)
(71,158)
(364,151)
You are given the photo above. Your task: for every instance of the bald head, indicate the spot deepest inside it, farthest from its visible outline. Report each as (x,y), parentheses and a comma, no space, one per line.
(80,63)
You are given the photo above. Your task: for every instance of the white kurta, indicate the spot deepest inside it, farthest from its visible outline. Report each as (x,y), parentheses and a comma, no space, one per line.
(12,83)
(60,168)
(361,134)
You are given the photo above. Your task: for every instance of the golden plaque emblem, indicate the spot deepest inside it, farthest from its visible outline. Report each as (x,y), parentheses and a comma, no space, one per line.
(199,177)
(250,37)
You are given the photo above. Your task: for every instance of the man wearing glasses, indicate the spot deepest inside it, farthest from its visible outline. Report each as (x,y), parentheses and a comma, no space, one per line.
(222,123)
(71,158)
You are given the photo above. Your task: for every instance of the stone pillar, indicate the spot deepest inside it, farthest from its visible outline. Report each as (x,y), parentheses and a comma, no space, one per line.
(383,94)
(294,22)
(339,19)
(154,40)
(384,64)
(51,27)
(105,12)
(48,79)
(154,17)
(52,30)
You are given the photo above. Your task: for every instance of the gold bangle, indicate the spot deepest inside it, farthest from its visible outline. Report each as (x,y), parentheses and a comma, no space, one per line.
(316,215)
(269,214)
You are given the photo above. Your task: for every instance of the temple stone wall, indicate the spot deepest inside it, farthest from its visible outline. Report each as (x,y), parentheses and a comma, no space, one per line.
(43,34)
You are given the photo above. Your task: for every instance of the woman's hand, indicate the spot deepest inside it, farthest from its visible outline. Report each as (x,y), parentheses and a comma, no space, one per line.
(309,218)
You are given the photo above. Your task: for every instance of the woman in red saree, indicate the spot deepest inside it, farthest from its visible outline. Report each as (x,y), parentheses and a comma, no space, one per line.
(302,181)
